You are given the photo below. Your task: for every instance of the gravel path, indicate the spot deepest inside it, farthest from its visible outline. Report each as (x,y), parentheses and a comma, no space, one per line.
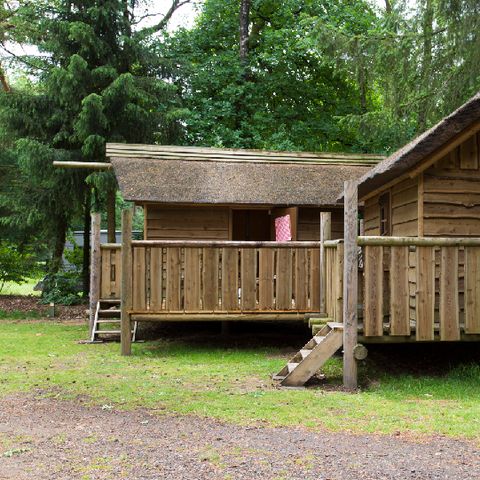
(52,439)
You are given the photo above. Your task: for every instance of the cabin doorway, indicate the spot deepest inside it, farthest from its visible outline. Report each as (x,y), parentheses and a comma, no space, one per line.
(251,225)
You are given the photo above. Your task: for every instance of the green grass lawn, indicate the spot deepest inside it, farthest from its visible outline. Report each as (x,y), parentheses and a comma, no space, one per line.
(232,383)
(26,288)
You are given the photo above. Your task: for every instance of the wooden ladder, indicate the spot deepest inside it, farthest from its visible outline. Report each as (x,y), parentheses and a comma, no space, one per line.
(308,360)
(107,314)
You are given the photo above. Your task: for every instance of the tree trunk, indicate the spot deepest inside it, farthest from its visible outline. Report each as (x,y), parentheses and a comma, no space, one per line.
(244,23)
(426,65)
(111,223)
(59,246)
(86,244)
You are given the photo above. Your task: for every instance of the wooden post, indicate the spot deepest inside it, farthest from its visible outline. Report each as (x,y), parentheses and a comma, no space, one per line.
(325,234)
(95,260)
(126,300)
(350,285)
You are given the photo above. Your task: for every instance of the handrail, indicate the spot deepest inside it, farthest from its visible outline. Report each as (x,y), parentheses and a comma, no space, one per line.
(222,243)
(418,241)
(111,245)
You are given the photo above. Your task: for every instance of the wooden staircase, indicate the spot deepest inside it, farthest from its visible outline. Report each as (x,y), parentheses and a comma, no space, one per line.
(107,321)
(308,360)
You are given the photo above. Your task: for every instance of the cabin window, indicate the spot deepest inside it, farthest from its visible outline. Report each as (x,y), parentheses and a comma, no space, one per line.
(385,214)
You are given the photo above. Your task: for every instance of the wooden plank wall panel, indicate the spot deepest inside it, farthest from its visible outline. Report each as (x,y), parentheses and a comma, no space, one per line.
(399,291)
(283,290)
(452,193)
(308,228)
(266,279)
(191,280)
(301,278)
(168,223)
(139,279)
(472,290)
(449,310)
(404,202)
(373,298)
(230,279)
(371,216)
(425,301)
(156,278)
(173,279)
(248,275)
(210,278)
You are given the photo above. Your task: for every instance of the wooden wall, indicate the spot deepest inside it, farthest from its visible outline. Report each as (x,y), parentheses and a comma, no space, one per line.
(451,192)
(309,224)
(403,213)
(171,223)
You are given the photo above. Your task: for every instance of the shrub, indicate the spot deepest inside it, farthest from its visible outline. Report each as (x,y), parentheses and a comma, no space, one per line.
(15,266)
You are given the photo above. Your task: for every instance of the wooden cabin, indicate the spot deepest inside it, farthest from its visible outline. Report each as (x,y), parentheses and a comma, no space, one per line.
(228,234)
(420,247)
(190,193)
(211,251)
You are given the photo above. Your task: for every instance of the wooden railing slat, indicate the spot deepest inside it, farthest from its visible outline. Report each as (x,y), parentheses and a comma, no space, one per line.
(399,291)
(230,279)
(315,279)
(373,298)
(425,299)
(248,278)
(266,279)
(283,284)
(139,285)
(449,308)
(210,279)
(472,290)
(156,278)
(173,279)
(192,279)
(301,279)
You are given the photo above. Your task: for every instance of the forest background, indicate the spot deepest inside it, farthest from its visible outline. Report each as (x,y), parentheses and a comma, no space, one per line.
(311,75)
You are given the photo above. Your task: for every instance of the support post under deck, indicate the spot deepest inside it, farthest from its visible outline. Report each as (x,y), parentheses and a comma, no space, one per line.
(95,259)
(350,285)
(126,296)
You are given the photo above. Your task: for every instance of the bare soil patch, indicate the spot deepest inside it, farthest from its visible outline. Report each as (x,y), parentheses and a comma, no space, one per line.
(30,303)
(45,438)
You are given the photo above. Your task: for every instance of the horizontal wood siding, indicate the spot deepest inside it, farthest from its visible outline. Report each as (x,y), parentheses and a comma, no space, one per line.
(404,210)
(308,229)
(183,223)
(452,193)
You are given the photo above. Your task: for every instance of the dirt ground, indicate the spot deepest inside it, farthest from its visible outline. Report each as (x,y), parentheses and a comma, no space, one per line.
(52,439)
(29,303)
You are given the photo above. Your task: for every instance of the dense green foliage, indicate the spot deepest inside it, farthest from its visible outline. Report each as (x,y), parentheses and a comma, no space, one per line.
(15,265)
(332,75)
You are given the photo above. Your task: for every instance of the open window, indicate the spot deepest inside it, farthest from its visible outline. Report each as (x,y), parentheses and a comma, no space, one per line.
(385,215)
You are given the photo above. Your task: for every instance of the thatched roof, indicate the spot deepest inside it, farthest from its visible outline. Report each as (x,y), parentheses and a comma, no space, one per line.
(185,175)
(417,150)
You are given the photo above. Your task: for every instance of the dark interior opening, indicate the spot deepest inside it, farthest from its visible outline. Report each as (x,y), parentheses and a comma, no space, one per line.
(251,225)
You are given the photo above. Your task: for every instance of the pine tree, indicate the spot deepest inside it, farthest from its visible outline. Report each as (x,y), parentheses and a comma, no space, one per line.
(97,82)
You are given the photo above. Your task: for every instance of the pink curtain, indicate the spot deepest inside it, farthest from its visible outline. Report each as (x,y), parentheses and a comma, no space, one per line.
(283,231)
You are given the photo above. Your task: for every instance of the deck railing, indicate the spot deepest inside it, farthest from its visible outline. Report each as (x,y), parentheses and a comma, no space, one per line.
(225,276)
(430,286)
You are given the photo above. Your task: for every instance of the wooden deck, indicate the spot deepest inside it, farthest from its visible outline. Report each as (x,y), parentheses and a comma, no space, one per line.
(194,280)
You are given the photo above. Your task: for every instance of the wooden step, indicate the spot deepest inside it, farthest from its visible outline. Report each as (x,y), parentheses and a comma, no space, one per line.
(109,320)
(110,332)
(305,352)
(110,311)
(308,360)
(291,366)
